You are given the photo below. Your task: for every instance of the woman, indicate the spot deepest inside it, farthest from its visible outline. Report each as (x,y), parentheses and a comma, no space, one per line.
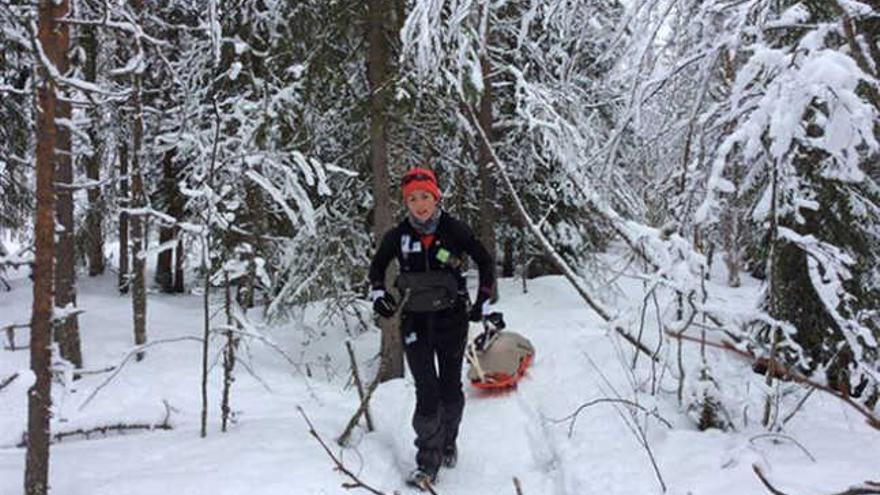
(429,245)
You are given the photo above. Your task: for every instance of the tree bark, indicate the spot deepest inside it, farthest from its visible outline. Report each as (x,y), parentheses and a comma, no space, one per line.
(138,262)
(54,38)
(92,162)
(67,330)
(484,161)
(164,275)
(178,266)
(176,210)
(124,202)
(138,223)
(378,75)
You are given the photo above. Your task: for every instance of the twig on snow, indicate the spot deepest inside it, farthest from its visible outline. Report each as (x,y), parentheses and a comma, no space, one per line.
(355,481)
(867,488)
(517,485)
(604,400)
(784,437)
(9,379)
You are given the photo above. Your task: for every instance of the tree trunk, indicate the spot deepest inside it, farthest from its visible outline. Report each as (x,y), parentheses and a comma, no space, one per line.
(178,266)
(484,161)
(176,209)
(54,38)
(378,76)
(66,330)
(92,162)
(124,202)
(730,231)
(164,275)
(507,263)
(138,222)
(138,262)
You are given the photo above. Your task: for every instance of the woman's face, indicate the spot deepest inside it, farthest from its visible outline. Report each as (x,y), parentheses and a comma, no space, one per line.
(421,204)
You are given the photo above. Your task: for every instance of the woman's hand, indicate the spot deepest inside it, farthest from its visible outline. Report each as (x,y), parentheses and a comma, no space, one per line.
(384,303)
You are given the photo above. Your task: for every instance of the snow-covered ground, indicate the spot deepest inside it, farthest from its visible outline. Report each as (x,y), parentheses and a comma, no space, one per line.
(268,449)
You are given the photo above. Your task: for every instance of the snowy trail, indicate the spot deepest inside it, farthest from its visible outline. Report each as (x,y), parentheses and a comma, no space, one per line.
(513,434)
(268,450)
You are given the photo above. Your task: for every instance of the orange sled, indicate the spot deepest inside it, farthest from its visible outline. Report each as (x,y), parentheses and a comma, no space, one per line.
(500,380)
(498,361)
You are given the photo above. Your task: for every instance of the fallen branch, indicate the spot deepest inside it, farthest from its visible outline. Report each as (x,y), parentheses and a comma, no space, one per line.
(104,430)
(867,488)
(788,373)
(355,481)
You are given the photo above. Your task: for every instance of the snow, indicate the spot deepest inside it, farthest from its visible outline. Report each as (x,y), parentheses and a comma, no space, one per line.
(520,433)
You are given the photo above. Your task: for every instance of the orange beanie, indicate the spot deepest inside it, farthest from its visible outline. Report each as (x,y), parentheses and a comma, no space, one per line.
(419,178)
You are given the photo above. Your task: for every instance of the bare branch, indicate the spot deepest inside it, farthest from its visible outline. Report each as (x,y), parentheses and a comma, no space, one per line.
(868,488)
(9,379)
(606,400)
(764,480)
(784,437)
(356,482)
(357,382)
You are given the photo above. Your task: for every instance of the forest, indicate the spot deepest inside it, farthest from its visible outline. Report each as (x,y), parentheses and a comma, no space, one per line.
(681,200)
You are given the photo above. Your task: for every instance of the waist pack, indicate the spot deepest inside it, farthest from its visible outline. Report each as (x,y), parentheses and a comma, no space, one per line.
(428,291)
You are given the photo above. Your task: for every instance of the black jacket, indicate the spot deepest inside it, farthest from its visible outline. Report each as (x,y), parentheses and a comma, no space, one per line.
(452,235)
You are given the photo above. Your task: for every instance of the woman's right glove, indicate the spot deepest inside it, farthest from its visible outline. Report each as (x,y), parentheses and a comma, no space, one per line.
(384,303)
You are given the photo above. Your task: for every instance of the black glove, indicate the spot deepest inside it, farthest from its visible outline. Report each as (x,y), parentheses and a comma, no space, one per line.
(476,313)
(496,320)
(385,305)
(493,323)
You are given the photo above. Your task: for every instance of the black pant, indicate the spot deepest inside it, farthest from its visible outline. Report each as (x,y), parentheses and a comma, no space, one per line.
(439,396)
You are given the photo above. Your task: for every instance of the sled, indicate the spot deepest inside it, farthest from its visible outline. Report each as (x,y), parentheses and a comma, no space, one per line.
(498,360)
(500,380)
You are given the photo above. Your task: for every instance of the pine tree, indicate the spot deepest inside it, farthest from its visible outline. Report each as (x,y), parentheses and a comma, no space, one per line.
(53,38)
